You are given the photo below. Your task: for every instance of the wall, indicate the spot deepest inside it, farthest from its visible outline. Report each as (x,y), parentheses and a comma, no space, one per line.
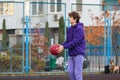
(13,21)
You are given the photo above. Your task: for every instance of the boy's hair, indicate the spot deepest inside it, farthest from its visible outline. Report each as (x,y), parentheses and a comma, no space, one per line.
(75,15)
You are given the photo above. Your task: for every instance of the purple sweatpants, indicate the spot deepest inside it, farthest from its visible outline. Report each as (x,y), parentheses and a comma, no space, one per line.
(75,66)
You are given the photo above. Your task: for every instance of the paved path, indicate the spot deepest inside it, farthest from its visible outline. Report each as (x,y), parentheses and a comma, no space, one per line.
(64,77)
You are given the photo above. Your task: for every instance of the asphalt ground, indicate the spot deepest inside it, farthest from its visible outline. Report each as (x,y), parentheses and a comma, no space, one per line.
(63,77)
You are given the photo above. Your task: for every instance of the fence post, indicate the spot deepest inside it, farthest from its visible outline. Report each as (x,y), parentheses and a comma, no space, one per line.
(27,43)
(11,59)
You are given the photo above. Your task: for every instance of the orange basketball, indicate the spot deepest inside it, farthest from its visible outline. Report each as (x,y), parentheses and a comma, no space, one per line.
(53,49)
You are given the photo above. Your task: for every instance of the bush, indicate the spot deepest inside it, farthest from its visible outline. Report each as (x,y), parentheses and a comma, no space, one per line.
(5,63)
(17,49)
(17,63)
(37,64)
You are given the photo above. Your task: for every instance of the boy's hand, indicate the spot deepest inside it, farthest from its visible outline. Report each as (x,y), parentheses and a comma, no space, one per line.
(60,49)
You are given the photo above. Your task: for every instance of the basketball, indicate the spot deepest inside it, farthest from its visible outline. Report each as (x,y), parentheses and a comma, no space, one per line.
(53,49)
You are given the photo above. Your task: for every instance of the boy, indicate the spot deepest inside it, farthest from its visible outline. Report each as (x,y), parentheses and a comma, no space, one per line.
(75,43)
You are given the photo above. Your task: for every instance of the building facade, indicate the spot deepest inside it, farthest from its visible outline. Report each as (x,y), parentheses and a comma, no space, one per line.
(40,11)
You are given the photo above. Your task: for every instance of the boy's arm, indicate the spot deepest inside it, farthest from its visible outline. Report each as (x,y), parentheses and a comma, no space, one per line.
(79,34)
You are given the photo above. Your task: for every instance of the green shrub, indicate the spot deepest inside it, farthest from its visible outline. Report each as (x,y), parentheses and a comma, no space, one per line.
(17,63)
(17,49)
(37,64)
(5,63)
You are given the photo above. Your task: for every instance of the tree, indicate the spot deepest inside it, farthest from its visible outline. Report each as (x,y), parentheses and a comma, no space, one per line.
(95,33)
(47,34)
(61,33)
(118,1)
(4,35)
(39,48)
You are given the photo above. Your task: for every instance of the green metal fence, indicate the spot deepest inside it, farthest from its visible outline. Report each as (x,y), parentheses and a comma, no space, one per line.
(101,34)
(51,13)
(12,37)
(26,50)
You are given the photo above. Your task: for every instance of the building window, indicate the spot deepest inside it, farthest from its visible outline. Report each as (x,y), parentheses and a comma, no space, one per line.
(52,6)
(58,6)
(78,5)
(108,3)
(6,9)
(34,9)
(55,7)
(37,9)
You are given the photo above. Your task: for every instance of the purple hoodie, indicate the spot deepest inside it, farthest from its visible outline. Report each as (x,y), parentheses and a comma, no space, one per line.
(75,41)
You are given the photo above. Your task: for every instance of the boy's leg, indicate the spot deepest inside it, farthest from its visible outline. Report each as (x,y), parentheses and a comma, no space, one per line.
(71,67)
(78,66)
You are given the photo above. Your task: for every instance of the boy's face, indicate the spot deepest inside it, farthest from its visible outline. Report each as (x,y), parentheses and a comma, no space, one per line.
(72,21)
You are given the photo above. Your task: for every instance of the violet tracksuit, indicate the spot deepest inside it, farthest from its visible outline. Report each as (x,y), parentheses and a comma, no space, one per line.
(75,43)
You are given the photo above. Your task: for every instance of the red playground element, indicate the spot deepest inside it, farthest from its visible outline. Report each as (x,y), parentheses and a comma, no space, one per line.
(53,49)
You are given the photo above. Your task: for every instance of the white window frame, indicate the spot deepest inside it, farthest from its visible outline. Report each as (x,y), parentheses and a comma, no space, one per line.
(55,7)
(4,8)
(37,9)
(79,5)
